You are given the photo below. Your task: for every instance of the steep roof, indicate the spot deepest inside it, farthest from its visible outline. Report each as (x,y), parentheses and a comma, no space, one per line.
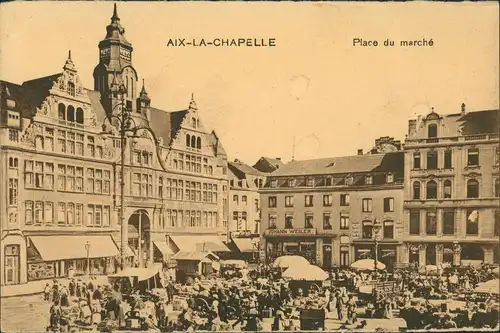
(244,169)
(215,142)
(479,122)
(390,162)
(274,161)
(95,100)
(160,122)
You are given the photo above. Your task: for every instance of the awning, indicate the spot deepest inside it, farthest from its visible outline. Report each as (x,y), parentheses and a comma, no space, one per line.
(128,250)
(163,247)
(194,256)
(140,273)
(245,245)
(52,248)
(199,243)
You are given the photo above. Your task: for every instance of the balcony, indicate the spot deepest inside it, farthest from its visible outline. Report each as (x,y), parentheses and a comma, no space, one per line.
(449,140)
(452,203)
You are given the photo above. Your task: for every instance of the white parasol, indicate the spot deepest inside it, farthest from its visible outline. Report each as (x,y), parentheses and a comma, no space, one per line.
(367,265)
(289,261)
(488,287)
(308,273)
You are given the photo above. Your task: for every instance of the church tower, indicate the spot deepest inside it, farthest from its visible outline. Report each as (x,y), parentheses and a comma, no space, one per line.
(115,66)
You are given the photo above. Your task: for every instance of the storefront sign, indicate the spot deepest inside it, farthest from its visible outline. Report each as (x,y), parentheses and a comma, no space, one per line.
(290,232)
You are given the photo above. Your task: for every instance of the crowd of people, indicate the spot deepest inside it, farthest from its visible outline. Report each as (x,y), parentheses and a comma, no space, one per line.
(247,301)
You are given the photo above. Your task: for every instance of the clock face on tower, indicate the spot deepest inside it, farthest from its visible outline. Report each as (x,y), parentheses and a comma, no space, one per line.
(105,53)
(125,54)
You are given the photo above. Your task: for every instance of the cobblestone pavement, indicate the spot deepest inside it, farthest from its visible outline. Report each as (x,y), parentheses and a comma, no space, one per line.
(24,313)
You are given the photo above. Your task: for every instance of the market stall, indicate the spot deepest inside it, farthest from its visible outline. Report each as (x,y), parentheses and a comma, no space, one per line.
(141,279)
(288,261)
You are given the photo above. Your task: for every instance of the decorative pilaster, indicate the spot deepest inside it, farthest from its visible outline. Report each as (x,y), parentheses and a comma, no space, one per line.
(423,216)
(406,253)
(457,249)
(439,254)
(439,221)
(422,254)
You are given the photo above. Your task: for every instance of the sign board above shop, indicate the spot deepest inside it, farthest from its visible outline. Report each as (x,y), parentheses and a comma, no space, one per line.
(290,232)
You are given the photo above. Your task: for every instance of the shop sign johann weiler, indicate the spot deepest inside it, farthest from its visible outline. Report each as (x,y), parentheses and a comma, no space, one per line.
(291,232)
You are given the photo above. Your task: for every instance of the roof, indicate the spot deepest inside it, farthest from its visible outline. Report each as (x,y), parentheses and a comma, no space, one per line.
(274,161)
(193,256)
(268,164)
(390,162)
(243,169)
(160,122)
(480,122)
(95,100)
(215,142)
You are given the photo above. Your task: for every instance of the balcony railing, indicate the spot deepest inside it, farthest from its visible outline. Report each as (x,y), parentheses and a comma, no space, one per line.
(475,137)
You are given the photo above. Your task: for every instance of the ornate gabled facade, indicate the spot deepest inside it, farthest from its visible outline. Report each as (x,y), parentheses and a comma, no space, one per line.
(60,173)
(452,188)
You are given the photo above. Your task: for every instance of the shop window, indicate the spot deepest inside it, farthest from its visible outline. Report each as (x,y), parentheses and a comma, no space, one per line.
(416,190)
(448,222)
(473,157)
(432,160)
(472,221)
(431,223)
(431,190)
(289,201)
(327,221)
(309,221)
(289,221)
(414,222)
(447,189)
(344,199)
(388,229)
(367,230)
(472,252)
(472,188)
(388,204)
(416,161)
(448,159)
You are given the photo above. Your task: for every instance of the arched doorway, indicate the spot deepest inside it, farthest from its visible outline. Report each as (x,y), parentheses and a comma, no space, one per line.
(139,236)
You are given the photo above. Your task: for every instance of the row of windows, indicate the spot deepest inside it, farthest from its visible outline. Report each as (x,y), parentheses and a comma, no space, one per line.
(13,135)
(259,182)
(193,141)
(194,191)
(308,223)
(68,142)
(348,180)
(46,213)
(241,220)
(142,158)
(192,219)
(432,159)
(191,163)
(431,189)
(367,203)
(449,226)
(68,113)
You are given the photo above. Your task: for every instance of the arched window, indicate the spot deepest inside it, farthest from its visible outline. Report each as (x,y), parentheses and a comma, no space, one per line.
(71,88)
(194,122)
(198,143)
(472,188)
(193,142)
(188,140)
(447,189)
(70,113)
(79,116)
(62,112)
(416,190)
(432,131)
(431,190)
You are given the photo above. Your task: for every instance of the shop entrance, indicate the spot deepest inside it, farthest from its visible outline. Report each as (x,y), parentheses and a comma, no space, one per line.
(139,236)
(327,256)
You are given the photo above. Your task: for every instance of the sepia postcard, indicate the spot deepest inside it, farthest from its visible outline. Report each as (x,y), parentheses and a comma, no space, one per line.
(249,166)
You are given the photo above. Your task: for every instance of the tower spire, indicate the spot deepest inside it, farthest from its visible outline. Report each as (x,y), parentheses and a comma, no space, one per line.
(69,65)
(143,90)
(115,17)
(192,103)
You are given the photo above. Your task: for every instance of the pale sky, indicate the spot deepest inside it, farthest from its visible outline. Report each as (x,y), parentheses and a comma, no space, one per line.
(314,85)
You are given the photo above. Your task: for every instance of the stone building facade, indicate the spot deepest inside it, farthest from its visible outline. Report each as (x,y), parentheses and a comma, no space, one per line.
(60,173)
(332,210)
(452,188)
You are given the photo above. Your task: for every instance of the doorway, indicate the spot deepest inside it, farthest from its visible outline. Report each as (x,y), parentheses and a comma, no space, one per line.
(327,256)
(139,236)
(12,264)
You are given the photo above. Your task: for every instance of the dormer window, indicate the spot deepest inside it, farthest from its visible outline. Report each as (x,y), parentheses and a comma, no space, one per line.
(274,183)
(389,178)
(369,180)
(291,183)
(432,131)
(329,181)
(310,181)
(349,180)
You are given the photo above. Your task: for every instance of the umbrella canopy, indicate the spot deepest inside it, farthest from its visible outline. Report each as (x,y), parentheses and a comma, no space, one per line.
(308,273)
(367,265)
(496,271)
(289,261)
(488,287)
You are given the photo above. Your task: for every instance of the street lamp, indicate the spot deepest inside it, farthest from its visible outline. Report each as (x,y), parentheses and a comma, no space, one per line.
(376,229)
(87,248)
(126,125)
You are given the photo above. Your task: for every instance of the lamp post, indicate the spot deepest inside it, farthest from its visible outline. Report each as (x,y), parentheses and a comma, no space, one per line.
(126,125)
(376,229)
(87,248)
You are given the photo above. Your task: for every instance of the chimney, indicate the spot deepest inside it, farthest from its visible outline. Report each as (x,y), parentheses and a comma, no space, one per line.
(463,109)
(360,151)
(412,126)
(236,160)
(278,158)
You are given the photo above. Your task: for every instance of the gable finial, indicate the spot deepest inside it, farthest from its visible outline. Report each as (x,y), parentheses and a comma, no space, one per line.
(192,103)
(69,54)
(115,17)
